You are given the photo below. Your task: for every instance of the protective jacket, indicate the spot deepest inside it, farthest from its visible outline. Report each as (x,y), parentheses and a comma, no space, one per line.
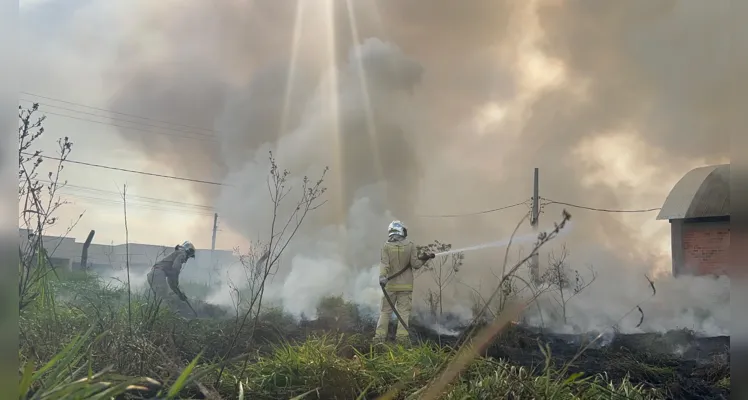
(398,253)
(171,265)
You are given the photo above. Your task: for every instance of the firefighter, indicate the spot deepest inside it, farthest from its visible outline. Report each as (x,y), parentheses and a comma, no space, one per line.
(399,259)
(165,274)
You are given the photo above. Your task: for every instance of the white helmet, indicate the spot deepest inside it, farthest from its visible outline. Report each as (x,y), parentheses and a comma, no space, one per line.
(189,248)
(397,228)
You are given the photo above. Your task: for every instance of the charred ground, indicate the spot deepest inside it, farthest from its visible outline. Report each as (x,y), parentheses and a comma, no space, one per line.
(680,363)
(332,355)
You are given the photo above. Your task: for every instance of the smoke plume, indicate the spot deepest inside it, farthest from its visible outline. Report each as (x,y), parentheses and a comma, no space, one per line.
(439,107)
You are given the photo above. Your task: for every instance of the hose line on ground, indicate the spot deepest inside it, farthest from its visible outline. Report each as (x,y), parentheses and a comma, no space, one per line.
(392,304)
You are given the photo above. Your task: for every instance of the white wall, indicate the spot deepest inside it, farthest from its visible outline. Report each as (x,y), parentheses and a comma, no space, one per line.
(142,256)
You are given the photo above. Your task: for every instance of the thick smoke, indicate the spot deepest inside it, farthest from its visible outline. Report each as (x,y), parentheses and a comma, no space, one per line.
(342,238)
(613,101)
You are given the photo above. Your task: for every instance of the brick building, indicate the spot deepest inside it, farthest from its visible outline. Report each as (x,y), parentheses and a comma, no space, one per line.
(698,208)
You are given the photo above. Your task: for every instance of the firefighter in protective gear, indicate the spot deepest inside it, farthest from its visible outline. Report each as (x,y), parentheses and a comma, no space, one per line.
(165,274)
(400,258)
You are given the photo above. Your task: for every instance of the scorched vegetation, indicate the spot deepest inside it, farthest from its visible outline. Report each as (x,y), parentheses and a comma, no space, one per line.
(82,338)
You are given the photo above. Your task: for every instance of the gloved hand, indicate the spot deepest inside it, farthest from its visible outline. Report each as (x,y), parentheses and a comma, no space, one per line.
(426,256)
(382,280)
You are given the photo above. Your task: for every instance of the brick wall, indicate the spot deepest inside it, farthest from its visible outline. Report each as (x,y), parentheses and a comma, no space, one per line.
(706,247)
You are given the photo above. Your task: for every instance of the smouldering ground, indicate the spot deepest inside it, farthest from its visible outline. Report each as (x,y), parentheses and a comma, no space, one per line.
(333,358)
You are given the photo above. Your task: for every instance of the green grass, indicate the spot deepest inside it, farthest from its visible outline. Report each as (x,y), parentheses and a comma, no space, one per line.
(315,365)
(85,349)
(724,382)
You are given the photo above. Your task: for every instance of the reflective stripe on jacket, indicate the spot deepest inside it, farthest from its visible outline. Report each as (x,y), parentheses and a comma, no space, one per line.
(396,255)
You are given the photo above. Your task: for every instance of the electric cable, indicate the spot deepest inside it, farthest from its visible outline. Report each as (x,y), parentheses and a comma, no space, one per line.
(549,201)
(119,203)
(118,112)
(126,170)
(206,139)
(474,213)
(143,124)
(155,200)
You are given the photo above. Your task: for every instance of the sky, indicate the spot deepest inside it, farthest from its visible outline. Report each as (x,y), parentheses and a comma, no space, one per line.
(418,107)
(89,52)
(79,50)
(67,65)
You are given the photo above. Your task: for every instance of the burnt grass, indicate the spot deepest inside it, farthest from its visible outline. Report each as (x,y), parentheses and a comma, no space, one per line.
(682,364)
(679,363)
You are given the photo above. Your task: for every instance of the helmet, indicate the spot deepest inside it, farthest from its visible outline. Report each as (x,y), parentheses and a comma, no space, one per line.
(397,228)
(189,248)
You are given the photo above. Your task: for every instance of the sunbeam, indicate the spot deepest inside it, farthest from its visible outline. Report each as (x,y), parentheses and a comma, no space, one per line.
(414,104)
(335,105)
(297,29)
(371,128)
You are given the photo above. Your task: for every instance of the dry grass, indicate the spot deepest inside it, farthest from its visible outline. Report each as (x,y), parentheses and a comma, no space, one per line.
(168,356)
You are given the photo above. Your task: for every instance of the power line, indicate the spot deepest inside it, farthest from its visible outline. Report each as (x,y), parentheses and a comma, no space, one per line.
(152,200)
(473,213)
(128,170)
(86,202)
(206,139)
(151,207)
(118,112)
(115,119)
(549,201)
(155,200)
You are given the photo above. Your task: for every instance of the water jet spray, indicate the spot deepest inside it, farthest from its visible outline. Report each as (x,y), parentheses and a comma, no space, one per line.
(524,239)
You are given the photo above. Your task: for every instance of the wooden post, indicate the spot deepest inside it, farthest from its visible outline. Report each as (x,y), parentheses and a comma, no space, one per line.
(84,252)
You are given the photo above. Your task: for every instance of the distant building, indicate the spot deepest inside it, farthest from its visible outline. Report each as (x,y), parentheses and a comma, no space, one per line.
(698,208)
(66,253)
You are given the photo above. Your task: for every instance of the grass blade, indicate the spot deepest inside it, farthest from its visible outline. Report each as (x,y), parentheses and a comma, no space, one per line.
(56,368)
(301,396)
(25,385)
(182,380)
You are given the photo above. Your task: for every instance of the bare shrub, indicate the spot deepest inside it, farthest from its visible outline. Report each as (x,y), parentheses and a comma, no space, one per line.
(564,282)
(474,345)
(442,270)
(262,260)
(38,202)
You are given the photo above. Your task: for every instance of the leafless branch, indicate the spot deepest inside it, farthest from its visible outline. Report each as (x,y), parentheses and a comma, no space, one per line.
(38,202)
(559,278)
(442,270)
(478,298)
(123,193)
(263,260)
(457,364)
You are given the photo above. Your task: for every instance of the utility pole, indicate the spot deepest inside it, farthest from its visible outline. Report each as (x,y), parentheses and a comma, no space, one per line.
(213,246)
(534,261)
(215,229)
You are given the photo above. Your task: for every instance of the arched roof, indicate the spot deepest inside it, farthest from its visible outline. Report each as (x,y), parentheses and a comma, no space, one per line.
(702,192)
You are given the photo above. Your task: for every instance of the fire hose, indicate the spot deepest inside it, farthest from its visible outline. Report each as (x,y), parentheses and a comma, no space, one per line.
(183,297)
(191,308)
(391,303)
